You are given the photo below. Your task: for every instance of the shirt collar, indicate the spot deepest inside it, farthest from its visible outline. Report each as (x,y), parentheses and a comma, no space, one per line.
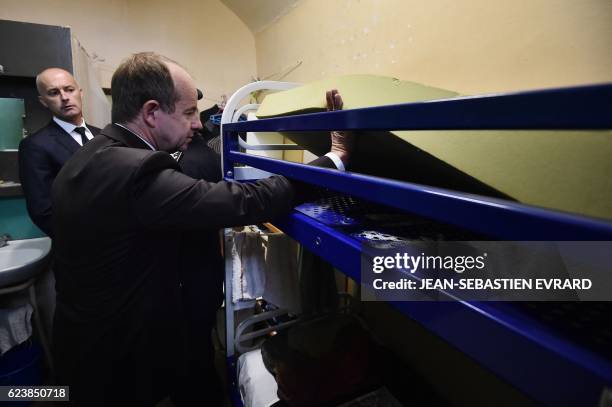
(137,135)
(68,127)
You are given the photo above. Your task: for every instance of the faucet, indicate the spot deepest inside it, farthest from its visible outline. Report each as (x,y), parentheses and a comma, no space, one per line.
(4,239)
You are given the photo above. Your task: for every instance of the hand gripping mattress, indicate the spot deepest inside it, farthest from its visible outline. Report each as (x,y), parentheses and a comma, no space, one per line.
(564,170)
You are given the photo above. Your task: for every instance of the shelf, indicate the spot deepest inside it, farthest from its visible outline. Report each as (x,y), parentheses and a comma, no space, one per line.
(517,341)
(10,191)
(585,107)
(540,349)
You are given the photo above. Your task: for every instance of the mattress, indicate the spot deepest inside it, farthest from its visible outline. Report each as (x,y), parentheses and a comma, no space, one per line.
(563,170)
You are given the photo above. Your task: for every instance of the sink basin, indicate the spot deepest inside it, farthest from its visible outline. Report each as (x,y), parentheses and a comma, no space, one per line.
(21,260)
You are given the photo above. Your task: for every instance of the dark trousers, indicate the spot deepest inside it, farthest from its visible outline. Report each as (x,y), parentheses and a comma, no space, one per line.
(201,275)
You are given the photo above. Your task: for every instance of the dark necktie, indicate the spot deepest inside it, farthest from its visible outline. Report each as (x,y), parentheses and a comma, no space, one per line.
(81,131)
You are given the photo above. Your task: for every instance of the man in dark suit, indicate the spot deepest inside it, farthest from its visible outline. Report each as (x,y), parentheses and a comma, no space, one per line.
(43,154)
(119,205)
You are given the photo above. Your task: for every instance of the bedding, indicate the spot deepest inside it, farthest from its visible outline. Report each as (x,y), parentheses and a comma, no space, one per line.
(563,170)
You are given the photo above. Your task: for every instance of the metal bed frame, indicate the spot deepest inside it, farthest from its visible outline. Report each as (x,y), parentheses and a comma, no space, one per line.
(532,357)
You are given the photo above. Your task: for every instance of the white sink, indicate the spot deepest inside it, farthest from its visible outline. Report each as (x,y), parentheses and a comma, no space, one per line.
(23,259)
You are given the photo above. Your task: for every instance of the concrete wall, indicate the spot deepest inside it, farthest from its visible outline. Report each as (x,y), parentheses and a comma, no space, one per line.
(204,36)
(469,46)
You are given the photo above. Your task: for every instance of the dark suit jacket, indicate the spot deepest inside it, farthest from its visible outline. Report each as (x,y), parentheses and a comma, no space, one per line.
(118,210)
(201,271)
(41,156)
(201,264)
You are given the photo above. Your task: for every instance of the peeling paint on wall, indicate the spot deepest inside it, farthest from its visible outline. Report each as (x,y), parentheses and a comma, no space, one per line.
(493,46)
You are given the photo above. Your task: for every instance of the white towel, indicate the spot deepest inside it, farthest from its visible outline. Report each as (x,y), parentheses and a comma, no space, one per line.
(15,326)
(257,386)
(282,282)
(248,257)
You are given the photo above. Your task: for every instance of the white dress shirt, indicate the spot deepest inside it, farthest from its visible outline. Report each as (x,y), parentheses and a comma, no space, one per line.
(69,128)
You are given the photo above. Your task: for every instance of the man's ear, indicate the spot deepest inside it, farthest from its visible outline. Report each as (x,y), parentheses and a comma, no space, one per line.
(150,110)
(42,102)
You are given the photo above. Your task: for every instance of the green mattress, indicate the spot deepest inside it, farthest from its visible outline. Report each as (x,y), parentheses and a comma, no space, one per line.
(564,170)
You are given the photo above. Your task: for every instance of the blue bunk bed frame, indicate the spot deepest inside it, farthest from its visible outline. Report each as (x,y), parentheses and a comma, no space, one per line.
(536,360)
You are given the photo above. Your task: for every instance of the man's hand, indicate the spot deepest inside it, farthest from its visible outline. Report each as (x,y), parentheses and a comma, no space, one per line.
(342,142)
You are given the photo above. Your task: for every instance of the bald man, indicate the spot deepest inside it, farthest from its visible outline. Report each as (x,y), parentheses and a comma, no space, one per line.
(43,154)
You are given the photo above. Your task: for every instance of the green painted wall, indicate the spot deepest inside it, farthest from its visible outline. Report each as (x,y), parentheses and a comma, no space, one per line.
(15,221)
(12,113)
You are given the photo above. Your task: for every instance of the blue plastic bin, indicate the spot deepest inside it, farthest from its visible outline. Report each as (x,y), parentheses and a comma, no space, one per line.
(20,366)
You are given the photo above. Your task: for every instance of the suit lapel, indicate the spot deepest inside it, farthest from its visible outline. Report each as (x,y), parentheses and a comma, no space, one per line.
(64,138)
